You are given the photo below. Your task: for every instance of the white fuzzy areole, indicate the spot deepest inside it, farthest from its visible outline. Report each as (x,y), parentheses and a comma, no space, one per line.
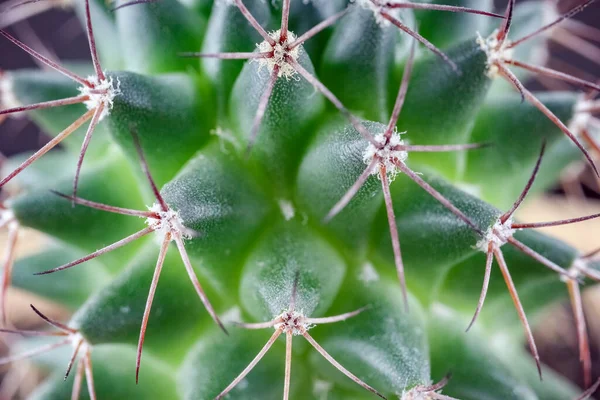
(498,234)
(386,153)
(294,322)
(168,222)
(496,52)
(279,53)
(103,92)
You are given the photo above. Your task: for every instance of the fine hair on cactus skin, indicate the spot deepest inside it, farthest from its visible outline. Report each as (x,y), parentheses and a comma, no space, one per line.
(97,93)
(385,153)
(82,352)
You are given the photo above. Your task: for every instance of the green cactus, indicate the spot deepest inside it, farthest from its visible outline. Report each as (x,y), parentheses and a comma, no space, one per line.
(321,175)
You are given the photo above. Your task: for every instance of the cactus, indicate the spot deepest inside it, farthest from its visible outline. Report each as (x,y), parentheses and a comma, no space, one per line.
(329,169)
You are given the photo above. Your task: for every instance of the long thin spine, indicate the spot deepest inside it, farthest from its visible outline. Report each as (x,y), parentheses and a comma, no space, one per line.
(536,256)
(430,46)
(571,13)
(157,270)
(49,146)
(582,335)
(46,104)
(105,207)
(401,97)
(89,375)
(440,7)
(395,237)
(250,18)
(486,283)
(336,318)
(252,364)
(352,191)
(553,118)
(85,144)
(288,364)
(507,215)
(103,250)
(317,29)
(262,108)
(192,275)
(92,42)
(519,307)
(45,60)
(339,366)
(333,99)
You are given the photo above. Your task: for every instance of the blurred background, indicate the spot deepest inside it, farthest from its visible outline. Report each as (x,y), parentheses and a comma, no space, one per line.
(58,34)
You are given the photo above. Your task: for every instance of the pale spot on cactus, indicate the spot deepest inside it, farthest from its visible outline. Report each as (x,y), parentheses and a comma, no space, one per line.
(280,51)
(7,216)
(232,315)
(368,273)
(497,52)
(387,153)
(472,189)
(321,389)
(225,137)
(287,209)
(498,234)
(7,94)
(103,93)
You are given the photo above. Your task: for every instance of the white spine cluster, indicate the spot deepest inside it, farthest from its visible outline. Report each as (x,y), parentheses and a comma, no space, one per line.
(387,154)
(498,234)
(496,52)
(375,8)
(103,92)
(167,222)
(280,51)
(294,322)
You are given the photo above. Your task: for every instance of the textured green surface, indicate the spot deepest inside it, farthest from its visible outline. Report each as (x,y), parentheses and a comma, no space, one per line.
(259,215)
